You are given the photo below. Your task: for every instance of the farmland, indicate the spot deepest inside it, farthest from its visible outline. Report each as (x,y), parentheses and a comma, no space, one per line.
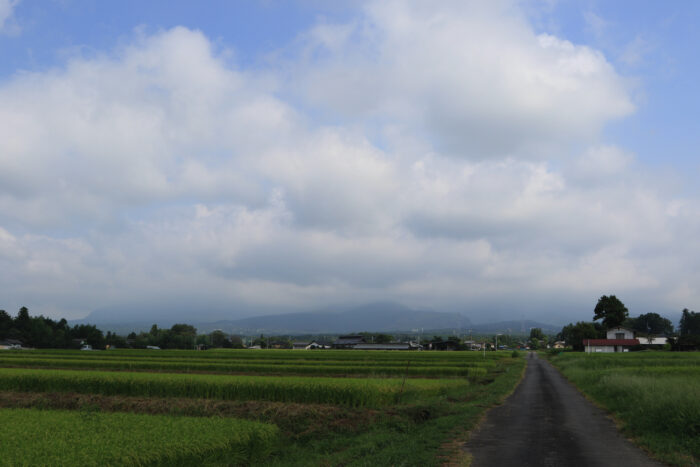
(654,395)
(239,406)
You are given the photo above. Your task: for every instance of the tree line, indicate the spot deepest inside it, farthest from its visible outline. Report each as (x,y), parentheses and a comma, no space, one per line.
(44,333)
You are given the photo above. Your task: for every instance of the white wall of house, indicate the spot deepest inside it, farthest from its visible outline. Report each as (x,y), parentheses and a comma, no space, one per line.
(654,340)
(620,333)
(605,348)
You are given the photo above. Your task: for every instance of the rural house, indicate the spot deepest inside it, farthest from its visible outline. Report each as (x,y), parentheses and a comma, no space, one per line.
(618,339)
(9,344)
(348,342)
(389,346)
(306,345)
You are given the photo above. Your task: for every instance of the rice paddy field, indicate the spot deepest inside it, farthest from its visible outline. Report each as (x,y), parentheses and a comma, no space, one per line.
(245,407)
(655,396)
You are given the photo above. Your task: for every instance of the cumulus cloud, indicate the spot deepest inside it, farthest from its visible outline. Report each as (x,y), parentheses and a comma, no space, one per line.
(472,76)
(412,158)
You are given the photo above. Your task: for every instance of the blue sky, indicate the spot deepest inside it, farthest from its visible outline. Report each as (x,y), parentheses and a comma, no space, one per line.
(282,156)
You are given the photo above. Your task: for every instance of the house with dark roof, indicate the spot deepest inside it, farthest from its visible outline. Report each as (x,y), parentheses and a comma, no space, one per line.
(298,345)
(617,339)
(10,344)
(348,342)
(389,346)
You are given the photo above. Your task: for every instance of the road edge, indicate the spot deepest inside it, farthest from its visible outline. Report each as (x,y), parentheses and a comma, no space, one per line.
(462,457)
(619,424)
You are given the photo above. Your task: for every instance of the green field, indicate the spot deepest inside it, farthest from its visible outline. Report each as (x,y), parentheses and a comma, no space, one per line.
(273,407)
(236,362)
(655,395)
(36,437)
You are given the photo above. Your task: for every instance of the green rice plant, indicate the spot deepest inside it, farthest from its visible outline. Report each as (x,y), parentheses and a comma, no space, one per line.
(366,392)
(321,368)
(45,437)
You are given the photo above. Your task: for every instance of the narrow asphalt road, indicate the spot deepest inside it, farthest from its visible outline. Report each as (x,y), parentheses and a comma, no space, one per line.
(547,422)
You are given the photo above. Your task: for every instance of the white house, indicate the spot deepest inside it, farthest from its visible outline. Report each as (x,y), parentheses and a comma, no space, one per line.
(306,345)
(619,339)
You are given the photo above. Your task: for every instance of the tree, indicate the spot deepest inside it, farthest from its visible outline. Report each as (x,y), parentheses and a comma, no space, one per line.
(611,310)
(237,342)
(536,333)
(5,323)
(218,338)
(652,323)
(574,334)
(690,323)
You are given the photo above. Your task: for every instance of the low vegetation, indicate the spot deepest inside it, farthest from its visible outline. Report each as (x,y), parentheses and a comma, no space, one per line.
(236,362)
(417,412)
(655,396)
(59,437)
(365,392)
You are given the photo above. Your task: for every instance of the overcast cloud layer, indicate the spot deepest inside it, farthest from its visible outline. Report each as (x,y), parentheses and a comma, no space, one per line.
(444,157)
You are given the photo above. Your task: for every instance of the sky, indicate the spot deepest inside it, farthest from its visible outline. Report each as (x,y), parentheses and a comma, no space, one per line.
(504,159)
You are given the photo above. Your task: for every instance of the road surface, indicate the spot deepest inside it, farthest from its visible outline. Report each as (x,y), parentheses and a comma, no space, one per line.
(547,422)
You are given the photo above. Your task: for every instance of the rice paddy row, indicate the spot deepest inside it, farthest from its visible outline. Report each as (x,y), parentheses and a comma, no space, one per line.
(370,356)
(471,369)
(365,392)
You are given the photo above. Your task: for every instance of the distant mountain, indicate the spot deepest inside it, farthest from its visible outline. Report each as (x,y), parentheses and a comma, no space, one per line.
(515,327)
(375,317)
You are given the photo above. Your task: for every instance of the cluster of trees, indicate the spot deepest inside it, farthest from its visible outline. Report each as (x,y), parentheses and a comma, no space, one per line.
(182,336)
(41,332)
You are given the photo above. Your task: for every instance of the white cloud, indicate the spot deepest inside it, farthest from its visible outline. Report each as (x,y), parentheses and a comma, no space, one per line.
(160,172)
(7,23)
(472,76)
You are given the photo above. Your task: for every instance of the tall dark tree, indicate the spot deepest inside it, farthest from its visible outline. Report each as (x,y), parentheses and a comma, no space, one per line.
(611,310)
(218,338)
(652,323)
(690,323)
(6,323)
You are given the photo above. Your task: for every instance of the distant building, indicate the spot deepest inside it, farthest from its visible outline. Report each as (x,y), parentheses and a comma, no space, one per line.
(306,345)
(10,344)
(389,346)
(559,345)
(443,345)
(618,339)
(348,342)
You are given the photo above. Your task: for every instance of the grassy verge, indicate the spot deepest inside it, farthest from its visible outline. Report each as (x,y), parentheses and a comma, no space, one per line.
(654,395)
